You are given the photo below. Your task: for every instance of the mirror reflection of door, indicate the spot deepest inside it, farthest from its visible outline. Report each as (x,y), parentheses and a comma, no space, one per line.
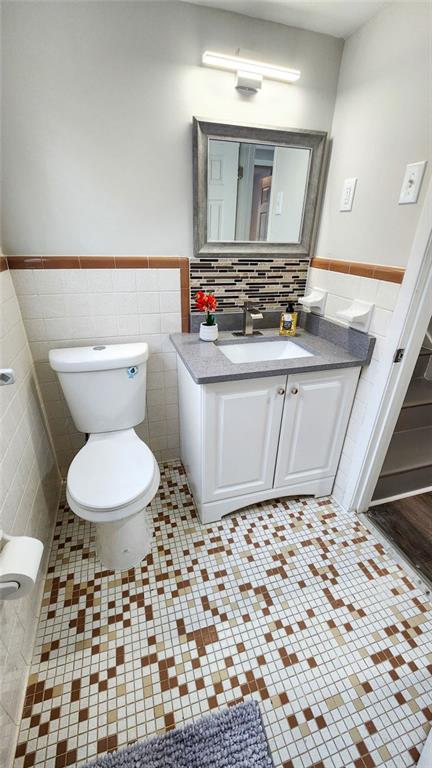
(222,189)
(260,203)
(263,210)
(255,192)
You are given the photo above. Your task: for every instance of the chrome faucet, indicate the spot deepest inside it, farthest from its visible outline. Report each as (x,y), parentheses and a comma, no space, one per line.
(250,313)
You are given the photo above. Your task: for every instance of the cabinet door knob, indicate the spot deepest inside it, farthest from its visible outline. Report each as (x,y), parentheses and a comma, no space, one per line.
(294,390)
(281,391)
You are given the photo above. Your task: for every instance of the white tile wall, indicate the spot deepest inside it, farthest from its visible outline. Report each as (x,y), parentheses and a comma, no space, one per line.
(72,307)
(29,490)
(342,289)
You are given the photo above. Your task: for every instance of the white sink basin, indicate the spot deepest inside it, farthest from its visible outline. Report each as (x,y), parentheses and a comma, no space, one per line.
(256,351)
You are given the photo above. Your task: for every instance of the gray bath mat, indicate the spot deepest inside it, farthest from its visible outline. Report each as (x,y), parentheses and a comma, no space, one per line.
(234,738)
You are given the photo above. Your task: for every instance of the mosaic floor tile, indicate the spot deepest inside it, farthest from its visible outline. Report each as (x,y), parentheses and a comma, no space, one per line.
(290,602)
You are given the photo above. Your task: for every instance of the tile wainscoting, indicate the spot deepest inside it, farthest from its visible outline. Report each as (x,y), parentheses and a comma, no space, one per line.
(271,282)
(111,262)
(71,301)
(29,493)
(343,287)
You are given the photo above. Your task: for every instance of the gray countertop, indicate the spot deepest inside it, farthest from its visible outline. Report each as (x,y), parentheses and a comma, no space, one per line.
(206,363)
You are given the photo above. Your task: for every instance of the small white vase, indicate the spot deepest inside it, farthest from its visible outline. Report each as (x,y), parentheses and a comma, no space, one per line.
(208,332)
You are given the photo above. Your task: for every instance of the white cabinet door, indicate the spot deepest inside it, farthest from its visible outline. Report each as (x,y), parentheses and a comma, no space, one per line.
(316,412)
(241,429)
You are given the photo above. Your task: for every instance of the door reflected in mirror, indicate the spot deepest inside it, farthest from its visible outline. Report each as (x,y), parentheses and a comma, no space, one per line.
(256,192)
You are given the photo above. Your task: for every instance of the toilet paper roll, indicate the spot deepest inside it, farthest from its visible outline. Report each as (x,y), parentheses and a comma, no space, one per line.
(19,565)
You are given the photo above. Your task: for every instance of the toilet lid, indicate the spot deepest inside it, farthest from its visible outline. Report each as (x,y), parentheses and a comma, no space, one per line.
(112,470)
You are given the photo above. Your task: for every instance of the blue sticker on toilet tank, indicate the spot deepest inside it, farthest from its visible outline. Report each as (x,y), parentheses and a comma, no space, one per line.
(132,372)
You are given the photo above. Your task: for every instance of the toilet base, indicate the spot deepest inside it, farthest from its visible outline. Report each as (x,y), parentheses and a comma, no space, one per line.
(123,544)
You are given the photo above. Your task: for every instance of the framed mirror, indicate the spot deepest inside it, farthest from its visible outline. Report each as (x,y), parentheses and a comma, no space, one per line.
(256,190)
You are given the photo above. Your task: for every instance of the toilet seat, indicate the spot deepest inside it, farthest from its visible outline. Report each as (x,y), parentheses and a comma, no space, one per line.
(113,476)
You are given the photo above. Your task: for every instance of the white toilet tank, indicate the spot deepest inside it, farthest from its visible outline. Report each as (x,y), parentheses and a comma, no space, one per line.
(104,385)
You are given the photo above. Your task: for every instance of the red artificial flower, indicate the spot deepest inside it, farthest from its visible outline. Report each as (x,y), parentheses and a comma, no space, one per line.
(205,302)
(200,301)
(211,303)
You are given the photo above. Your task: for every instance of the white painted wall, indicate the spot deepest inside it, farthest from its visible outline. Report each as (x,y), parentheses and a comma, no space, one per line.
(29,491)
(98,100)
(382,121)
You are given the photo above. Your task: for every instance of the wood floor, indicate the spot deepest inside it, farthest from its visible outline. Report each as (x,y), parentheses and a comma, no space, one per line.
(408,524)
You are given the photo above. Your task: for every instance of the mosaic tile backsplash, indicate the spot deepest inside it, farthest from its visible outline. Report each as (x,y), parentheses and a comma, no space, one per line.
(271,283)
(290,602)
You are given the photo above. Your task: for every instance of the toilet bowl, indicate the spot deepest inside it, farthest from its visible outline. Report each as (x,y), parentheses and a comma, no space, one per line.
(113,478)
(110,482)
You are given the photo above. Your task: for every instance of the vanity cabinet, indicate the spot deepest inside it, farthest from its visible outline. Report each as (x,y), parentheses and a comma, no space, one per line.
(255,439)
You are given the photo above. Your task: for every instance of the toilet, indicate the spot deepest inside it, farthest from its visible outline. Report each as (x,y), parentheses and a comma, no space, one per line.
(114,477)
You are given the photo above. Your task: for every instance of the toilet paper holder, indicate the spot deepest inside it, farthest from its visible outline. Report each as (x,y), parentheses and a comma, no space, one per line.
(20,558)
(7,589)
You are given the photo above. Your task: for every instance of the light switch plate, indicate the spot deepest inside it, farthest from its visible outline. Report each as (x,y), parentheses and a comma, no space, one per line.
(412,182)
(347,198)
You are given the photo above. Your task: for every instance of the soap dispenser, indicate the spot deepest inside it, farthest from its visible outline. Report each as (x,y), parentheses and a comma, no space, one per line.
(288,321)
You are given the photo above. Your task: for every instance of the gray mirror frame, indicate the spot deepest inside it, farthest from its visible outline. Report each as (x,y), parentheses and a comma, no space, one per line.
(203,130)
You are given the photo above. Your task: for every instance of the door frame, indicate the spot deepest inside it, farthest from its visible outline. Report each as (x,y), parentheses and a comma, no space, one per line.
(410,321)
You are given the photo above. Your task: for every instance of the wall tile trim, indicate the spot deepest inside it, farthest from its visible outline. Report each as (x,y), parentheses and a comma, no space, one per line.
(110,262)
(376,271)
(3,263)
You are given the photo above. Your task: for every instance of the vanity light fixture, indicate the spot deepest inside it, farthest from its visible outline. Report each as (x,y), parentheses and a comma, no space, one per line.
(248,83)
(250,73)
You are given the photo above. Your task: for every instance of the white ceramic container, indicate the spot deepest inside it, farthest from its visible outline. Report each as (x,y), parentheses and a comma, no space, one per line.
(208,332)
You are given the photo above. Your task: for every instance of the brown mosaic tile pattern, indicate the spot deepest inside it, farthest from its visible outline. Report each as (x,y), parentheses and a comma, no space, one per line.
(270,282)
(290,602)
